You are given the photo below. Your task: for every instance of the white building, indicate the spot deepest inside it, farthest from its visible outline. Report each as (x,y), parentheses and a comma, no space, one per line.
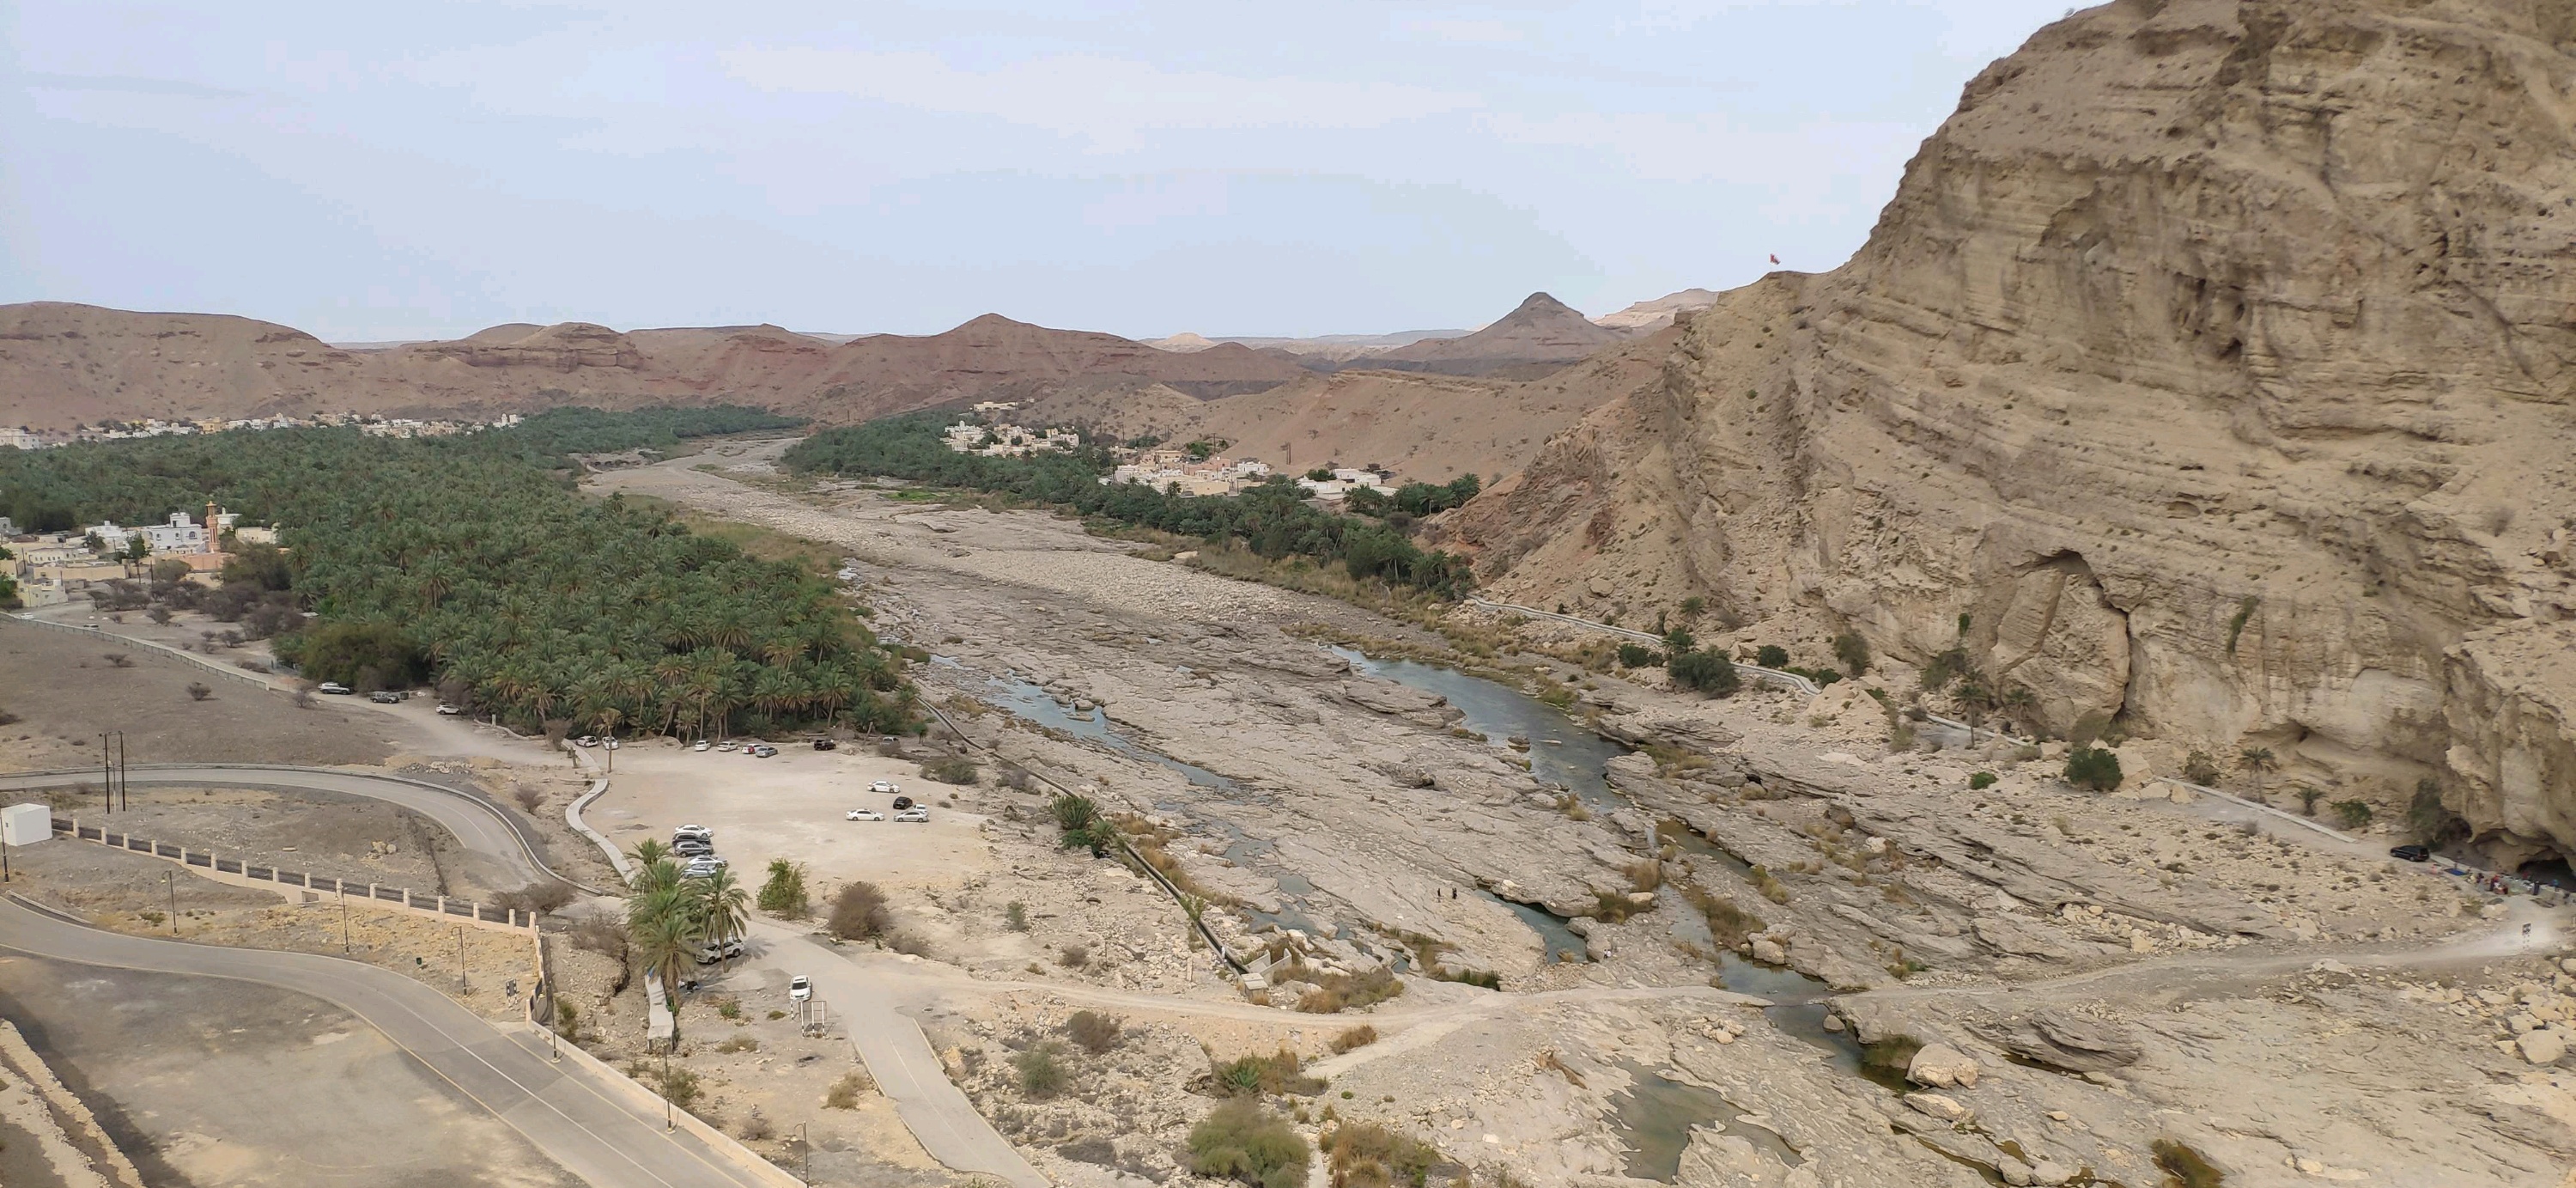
(19,439)
(180,535)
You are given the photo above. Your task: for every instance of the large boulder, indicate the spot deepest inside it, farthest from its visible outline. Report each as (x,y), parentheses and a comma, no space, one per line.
(2070,1042)
(1942,1066)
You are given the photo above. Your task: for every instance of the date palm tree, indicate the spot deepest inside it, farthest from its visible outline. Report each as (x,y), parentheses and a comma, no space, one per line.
(2256,761)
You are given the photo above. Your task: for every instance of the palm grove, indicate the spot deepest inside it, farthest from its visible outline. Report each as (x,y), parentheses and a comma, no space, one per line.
(1272,519)
(472,562)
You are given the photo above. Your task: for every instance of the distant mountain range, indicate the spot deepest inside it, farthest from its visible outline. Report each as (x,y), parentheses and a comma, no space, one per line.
(63,365)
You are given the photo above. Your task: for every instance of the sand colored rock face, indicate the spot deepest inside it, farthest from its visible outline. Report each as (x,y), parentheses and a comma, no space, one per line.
(2212,358)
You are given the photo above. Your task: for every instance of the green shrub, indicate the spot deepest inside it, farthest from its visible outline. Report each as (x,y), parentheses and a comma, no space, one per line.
(1241,1141)
(1772,656)
(2093,767)
(1704,671)
(1015,916)
(1279,1072)
(1632,655)
(1983,779)
(1042,1073)
(2200,768)
(2352,814)
(784,893)
(1853,651)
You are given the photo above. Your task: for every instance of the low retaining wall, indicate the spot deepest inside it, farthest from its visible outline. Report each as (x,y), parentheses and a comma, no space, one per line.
(294,885)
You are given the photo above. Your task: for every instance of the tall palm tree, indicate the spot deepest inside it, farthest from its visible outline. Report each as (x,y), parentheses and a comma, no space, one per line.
(664,944)
(2257,760)
(723,907)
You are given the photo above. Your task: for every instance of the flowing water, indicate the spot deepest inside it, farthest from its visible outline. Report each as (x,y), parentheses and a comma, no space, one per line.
(1581,764)
(1562,944)
(1562,750)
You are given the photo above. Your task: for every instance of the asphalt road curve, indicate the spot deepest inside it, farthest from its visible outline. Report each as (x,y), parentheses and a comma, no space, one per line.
(481,827)
(590,1129)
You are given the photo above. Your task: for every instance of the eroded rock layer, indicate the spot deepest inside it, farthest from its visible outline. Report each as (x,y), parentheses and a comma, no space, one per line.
(2213,361)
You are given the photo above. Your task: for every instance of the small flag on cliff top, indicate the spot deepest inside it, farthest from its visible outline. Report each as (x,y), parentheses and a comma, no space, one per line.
(1775,259)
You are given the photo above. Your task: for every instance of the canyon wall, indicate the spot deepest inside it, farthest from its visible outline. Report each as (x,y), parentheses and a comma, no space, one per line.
(2212,360)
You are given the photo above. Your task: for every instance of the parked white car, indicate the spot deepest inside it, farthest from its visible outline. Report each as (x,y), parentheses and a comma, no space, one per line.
(701,745)
(710,953)
(883,786)
(799,988)
(863,815)
(916,815)
(331,687)
(450,710)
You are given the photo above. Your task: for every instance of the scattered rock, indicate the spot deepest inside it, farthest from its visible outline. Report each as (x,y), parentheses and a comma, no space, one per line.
(1942,1066)
(2542,1047)
(1936,1105)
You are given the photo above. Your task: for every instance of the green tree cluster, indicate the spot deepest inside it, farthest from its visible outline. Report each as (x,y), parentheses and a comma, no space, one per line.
(471,561)
(1272,519)
(671,917)
(1705,671)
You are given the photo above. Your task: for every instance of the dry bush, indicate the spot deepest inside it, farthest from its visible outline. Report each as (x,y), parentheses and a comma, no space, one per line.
(537,897)
(1356,1037)
(844,1093)
(739,1043)
(1094,1032)
(755,1126)
(1333,993)
(199,691)
(1278,1073)
(1728,925)
(1073,957)
(529,797)
(859,912)
(1368,1155)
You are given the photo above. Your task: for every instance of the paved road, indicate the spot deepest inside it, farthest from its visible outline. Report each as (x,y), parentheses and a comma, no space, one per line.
(898,1055)
(478,825)
(592,1129)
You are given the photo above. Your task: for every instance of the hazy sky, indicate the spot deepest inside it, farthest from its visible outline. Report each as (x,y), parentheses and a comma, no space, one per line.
(374,171)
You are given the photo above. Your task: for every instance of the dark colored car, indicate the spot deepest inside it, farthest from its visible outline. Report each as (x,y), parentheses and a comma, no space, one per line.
(825,744)
(385,697)
(901,803)
(2412,853)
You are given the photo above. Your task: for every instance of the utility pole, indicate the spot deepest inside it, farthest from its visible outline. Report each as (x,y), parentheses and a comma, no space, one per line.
(106,773)
(460,957)
(805,1155)
(124,775)
(667,1124)
(344,914)
(173,885)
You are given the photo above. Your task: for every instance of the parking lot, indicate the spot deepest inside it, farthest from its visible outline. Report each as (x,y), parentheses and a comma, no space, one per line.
(790,806)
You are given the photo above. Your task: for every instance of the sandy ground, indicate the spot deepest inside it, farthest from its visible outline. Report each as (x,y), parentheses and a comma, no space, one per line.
(64,693)
(791,806)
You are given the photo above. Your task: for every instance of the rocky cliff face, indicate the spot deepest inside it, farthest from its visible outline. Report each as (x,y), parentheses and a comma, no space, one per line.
(2213,360)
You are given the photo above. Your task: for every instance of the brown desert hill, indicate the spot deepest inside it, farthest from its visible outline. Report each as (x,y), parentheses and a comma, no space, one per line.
(1539,336)
(2211,366)
(1646,317)
(64,365)
(995,358)
(1430,427)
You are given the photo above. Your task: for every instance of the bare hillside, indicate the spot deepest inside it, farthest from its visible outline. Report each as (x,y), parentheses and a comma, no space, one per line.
(1423,426)
(63,365)
(2211,364)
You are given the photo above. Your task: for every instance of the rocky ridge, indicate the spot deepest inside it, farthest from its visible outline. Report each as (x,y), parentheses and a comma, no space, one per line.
(2208,370)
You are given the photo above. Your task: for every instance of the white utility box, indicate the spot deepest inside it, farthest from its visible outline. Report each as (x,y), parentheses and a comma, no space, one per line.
(26,824)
